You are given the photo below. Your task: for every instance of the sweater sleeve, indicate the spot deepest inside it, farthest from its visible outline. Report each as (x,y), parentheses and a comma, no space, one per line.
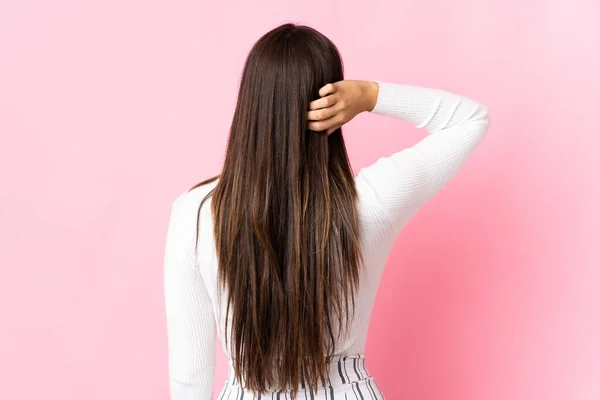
(398,185)
(191,328)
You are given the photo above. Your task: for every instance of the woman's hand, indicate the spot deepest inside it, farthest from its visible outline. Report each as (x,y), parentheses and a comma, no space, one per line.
(340,102)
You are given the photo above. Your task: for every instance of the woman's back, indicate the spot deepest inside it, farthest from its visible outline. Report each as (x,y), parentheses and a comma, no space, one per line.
(390,192)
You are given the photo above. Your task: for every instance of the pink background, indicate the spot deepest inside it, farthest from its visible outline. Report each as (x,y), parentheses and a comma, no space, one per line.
(109,109)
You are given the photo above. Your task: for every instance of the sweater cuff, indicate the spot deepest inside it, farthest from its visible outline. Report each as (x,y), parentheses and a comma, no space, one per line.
(388,99)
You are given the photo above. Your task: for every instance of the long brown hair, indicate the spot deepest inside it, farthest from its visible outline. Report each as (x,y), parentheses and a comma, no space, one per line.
(285,221)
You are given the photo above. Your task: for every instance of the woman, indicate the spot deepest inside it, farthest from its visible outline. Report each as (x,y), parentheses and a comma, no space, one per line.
(287,242)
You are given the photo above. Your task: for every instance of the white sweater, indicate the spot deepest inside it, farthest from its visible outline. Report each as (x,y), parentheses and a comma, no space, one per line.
(390,190)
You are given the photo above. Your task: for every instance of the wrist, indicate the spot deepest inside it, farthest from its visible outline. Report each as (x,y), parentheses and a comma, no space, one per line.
(371,95)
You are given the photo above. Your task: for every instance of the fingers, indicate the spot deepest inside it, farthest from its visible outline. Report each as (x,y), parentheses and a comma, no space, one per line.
(322,125)
(327,97)
(322,113)
(327,89)
(323,102)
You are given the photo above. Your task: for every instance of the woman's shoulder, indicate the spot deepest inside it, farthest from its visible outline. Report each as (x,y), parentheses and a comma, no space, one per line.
(192,197)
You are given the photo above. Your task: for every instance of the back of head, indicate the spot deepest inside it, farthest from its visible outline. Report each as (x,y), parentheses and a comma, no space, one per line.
(285,221)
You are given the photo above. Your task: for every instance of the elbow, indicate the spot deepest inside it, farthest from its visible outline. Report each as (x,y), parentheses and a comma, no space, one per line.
(483,114)
(481,117)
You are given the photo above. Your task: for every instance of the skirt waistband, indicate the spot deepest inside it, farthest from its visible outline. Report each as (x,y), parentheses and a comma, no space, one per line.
(343,369)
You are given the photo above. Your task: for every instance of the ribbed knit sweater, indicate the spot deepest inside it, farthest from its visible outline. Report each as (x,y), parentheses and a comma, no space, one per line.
(391,190)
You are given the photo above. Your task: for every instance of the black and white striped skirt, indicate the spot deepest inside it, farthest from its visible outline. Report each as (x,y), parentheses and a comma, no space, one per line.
(348,379)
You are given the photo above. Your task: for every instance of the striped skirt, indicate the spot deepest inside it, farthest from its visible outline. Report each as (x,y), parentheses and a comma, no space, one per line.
(348,379)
